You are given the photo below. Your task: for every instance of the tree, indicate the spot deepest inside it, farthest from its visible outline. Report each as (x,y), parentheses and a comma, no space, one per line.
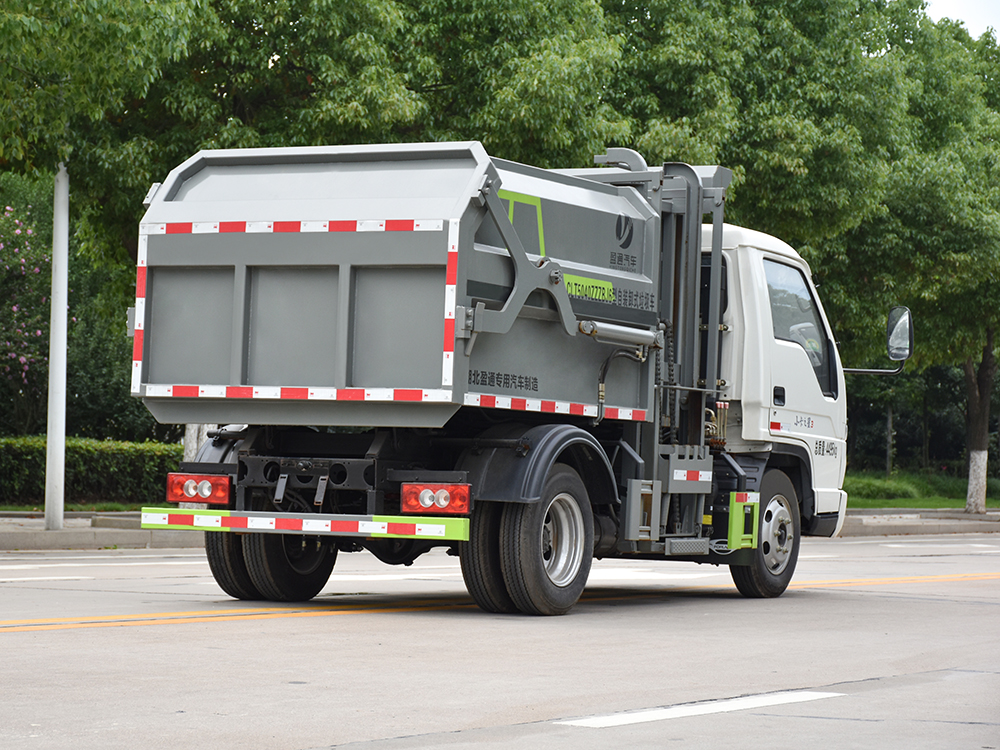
(69,63)
(935,243)
(527,78)
(789,95)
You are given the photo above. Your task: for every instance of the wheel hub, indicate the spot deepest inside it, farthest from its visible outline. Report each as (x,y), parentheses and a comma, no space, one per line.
(776,535)
(562,540)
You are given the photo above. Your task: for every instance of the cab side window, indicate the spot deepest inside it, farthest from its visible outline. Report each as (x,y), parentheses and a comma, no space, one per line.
(796,318)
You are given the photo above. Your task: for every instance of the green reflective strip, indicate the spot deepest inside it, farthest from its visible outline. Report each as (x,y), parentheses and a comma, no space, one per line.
(455,529)
(594,289)
(531,200)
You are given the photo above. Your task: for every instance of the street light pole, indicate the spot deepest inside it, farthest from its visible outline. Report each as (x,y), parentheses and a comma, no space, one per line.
(55,453)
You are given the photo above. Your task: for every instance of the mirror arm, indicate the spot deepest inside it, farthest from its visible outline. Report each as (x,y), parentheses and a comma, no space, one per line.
(862,371)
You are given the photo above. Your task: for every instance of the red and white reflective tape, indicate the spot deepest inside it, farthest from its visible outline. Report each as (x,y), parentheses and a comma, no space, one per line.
(277,227)
(450,295)
(516,403)
(422,527)
(746,497)
(424,395)
(138,335)
(692,475)
(780,427)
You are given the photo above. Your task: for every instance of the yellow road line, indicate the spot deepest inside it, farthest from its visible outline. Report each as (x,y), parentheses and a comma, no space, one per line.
(202,613)
(322,609)
(225,615)
(904,579)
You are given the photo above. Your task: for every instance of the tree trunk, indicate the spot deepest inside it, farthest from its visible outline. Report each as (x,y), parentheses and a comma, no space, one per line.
(888,443)
(194,436)
(978,389)
(925,444)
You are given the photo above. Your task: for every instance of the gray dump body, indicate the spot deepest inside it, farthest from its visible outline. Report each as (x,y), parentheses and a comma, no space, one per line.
(389,286)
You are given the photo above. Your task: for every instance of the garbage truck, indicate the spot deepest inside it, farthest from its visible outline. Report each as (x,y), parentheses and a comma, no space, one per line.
(415,346)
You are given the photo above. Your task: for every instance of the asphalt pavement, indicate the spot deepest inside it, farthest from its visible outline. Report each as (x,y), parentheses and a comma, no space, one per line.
(26,530)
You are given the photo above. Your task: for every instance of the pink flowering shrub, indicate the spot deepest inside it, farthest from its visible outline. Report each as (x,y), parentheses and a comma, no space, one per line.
(25,278)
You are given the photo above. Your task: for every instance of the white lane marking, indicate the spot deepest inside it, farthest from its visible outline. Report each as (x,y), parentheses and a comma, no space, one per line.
(699,709)
(372,577)
(930,545)
(39,566)
(344,577)
(56,555)
(47,578)
(633,574)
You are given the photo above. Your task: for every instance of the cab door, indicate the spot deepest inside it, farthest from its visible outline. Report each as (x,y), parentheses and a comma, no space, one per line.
(807,402)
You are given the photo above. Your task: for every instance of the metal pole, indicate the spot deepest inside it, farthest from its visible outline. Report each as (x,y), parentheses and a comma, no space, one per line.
(55,454)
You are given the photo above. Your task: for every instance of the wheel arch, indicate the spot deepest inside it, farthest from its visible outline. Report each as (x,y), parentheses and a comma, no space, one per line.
(505,474)
(794,461)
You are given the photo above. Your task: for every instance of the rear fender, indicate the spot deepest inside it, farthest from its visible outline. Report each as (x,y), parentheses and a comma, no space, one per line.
(512,475)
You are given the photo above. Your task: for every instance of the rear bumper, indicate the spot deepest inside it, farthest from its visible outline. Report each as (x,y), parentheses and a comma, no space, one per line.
(439,528)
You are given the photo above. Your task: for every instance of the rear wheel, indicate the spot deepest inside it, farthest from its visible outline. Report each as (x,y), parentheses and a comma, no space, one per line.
(480,556)
(547,547)
(225,558)
(777,542)
(289,567)
(224,549)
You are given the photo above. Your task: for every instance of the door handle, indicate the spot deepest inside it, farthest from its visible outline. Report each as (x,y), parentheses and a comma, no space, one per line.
(779,395)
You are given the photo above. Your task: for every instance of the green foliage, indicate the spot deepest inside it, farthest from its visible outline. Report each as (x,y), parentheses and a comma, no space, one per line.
(873,487)
(786,94)
(858,130)
(934,243)
(526,78)
(910,489)
(95,470)
(99,403)
(67,63)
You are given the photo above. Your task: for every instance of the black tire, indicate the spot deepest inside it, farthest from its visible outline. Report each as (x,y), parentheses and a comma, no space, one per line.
(224,550)
(480,557)
(289,567)
(547,547)
(777,541)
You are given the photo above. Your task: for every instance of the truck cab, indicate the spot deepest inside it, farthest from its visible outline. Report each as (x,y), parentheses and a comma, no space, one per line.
(787,383)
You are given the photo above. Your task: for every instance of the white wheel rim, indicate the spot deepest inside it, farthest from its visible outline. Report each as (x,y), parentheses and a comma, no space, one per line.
(562,537)
(777,535)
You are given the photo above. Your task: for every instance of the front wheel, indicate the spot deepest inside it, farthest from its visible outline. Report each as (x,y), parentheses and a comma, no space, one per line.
(546,548)
(777,543)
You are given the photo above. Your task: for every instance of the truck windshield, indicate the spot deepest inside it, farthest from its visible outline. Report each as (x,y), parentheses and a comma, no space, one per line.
(796,318)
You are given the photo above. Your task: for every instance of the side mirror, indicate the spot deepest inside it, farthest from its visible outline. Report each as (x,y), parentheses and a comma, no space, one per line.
(899,334)
(899,342)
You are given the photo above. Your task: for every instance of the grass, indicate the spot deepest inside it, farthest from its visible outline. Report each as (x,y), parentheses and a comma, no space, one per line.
(912,490)
(74,508)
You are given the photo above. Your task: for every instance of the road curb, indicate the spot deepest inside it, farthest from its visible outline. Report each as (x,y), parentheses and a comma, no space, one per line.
(26,532)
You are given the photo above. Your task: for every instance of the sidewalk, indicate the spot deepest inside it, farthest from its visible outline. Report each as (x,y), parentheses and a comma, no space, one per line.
(893,521)
(26,531)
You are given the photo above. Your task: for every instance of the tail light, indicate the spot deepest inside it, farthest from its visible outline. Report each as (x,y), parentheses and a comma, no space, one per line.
(435,498)
(197,488)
